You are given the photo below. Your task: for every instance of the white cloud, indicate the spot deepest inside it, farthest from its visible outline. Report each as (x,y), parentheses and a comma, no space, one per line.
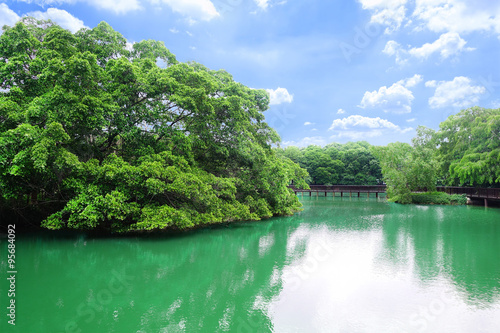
(411,120)
(357,127)
(431,84)
(307,141)
(7,16)
(458,15)
(447,45)
(340,111)
(396,99)
(279,96)
(61,17)
(411,81)
(174,30)
(386,12)
(354,128)
(307,123)
(393,48)
(263,4)
(194,10)
(458,93)
(360,121)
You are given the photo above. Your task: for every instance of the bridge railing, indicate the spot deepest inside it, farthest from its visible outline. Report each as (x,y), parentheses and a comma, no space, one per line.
(344,188)
(486,193)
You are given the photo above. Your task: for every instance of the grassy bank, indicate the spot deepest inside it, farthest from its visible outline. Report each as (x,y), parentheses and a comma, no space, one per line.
(438,198)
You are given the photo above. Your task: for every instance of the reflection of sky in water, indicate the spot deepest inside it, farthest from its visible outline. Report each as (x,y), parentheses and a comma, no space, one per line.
(369,280)
(341,265)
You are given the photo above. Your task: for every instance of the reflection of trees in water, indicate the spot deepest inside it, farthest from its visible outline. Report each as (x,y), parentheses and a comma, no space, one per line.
(215,278)
(459,242)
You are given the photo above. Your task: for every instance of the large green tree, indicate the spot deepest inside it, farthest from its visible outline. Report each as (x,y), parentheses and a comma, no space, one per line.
(101,136)
(469,147)
(407,168)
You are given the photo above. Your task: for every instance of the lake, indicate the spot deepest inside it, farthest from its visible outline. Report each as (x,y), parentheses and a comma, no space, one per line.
(341,265)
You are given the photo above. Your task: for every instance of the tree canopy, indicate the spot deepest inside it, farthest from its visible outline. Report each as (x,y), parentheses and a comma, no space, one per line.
(96,135)
(464,151)
(468,147)
(348,164)
(408,168)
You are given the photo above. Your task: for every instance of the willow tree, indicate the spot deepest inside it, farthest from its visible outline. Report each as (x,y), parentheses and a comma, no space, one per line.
(408,168)
(106,138)
(469,147)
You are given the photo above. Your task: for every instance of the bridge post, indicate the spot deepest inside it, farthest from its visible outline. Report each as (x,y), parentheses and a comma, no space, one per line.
(485,202)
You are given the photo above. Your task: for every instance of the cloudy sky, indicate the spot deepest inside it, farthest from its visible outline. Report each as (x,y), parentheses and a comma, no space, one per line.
(337,71)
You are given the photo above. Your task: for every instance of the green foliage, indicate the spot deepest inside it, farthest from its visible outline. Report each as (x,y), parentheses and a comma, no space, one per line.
(408,168)
(438,198)
(108,138)
(465,151)
(469,147)
(349,164)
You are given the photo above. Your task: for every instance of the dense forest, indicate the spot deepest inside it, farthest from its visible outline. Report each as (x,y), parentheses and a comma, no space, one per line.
(348,164)
(98,135)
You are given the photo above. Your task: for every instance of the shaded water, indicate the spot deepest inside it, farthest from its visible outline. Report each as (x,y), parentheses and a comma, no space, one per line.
(341,265)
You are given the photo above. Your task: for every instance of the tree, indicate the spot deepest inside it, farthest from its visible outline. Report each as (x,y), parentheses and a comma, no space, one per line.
(407,168)
(469,147)
(348,164)
(97,136)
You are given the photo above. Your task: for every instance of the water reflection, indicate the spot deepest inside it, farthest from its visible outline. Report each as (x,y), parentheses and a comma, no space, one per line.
(342,265)
(413,269)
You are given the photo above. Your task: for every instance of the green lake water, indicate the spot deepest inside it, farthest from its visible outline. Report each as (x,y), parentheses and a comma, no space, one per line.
(341,265)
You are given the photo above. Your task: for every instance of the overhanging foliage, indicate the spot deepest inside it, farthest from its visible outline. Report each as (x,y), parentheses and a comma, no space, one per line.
(107,139)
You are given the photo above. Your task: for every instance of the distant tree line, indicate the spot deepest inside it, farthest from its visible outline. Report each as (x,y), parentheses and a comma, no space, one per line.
(352,163)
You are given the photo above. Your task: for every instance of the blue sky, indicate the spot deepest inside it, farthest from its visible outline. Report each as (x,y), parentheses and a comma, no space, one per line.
(336,71)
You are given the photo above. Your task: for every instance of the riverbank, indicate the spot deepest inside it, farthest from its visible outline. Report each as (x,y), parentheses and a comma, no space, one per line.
(438,198)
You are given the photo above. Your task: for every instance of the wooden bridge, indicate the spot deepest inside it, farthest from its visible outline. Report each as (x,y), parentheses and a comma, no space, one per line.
(473,193)
(342,189)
